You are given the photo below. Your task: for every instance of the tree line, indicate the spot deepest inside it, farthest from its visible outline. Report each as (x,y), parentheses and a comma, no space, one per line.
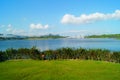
(117,36)
(62,53)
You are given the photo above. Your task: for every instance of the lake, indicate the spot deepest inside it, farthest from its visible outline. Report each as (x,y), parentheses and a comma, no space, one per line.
(111,44)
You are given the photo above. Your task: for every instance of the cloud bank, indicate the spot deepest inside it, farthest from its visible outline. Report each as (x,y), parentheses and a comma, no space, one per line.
(11,30)
(38,26)
(84,19)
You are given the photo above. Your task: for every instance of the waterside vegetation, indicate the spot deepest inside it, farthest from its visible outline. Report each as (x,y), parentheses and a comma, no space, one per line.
(62,53)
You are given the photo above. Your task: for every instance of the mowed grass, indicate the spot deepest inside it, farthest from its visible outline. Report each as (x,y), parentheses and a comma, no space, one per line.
(59,70)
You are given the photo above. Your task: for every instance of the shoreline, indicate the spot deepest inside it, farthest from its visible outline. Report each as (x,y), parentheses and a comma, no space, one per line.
(61,53)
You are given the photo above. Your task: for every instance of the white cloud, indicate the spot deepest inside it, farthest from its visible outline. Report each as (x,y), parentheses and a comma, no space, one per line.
(1,26)
(10,29)
(81,33)
(38,26)
(9,25)
(84,19)
(19,32)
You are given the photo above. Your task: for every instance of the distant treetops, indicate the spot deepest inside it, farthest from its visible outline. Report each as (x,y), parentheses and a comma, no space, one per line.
(117,36)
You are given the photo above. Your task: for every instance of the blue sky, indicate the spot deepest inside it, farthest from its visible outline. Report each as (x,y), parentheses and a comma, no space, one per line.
(64,17)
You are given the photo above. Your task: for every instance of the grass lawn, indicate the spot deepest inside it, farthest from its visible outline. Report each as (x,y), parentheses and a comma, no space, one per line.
(59,70)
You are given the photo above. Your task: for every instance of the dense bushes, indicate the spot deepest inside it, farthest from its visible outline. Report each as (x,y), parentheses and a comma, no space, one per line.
(3,56)
(62,53)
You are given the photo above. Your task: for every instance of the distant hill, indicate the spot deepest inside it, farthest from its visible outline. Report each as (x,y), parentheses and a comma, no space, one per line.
(13,37)
(10,37)
(46,37)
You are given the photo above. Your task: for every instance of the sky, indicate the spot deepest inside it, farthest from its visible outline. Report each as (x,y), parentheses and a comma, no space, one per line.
(64,17)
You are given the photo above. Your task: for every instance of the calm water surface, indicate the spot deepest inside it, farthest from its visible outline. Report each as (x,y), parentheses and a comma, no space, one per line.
(111,44)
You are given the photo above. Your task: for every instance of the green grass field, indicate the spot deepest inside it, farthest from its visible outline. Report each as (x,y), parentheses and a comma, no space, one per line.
(59,70)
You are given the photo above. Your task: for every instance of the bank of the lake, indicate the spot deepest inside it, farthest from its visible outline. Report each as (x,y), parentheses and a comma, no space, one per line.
(59,70)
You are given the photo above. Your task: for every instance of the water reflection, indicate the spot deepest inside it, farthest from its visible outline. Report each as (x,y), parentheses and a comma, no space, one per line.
(111,44)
